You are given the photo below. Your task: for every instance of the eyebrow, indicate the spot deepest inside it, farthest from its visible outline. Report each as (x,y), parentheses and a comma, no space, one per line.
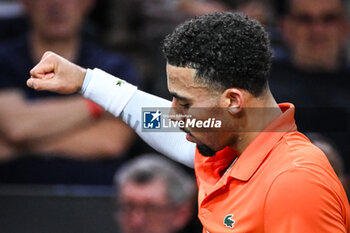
(175,95)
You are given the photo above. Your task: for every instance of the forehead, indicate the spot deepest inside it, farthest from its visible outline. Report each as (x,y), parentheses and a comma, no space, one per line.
(315,6)
(182,82)
(152,192)
(180,75)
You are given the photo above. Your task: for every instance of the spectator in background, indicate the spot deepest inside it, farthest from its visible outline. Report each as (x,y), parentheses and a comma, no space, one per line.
(331,151)
(11,13)
(132,21)
(71,127)
(262,11)
(154,196)
(138,28)
(316,32)
(257,9)
(315,77)
(202,7)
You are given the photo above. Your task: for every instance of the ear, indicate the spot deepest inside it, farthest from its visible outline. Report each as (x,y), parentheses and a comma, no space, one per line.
(345,29)
(233,99)
(183,215)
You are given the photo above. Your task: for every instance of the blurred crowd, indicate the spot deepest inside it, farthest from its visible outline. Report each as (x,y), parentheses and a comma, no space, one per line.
(46,138)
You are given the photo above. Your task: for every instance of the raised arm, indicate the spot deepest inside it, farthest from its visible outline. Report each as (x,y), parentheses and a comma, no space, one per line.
(54,73)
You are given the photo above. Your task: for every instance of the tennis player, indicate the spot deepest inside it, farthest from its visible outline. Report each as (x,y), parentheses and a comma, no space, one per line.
(269,179)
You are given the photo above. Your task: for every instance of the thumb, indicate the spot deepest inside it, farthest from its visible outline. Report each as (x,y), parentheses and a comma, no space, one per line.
(42,84)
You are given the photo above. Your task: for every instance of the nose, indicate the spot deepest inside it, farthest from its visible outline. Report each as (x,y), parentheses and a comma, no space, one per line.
(174,103)
(318,27)
(137,219)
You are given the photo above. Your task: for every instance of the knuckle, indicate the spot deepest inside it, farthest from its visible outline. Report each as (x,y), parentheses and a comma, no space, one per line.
(33,71)
(36,85)
(48,53)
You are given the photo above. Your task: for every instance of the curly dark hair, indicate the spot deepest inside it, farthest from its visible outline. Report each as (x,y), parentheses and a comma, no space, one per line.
(226,49)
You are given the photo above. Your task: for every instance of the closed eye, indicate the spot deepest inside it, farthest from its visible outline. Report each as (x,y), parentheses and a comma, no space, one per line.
(185,106)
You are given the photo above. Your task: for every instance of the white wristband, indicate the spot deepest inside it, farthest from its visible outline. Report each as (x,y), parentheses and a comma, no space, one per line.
(109,92)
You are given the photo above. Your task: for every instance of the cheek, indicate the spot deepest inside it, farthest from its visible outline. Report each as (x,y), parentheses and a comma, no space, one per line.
(300,34)
(337,35)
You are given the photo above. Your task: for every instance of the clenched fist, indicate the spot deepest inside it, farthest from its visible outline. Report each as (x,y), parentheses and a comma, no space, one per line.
(55,73)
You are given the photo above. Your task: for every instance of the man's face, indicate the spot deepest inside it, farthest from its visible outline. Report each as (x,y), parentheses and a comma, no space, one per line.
(316,31)
(197,100)
(145,208)
(55,19)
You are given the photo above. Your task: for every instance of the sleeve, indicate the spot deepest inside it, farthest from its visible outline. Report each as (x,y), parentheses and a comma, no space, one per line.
(123,99)
(302,201)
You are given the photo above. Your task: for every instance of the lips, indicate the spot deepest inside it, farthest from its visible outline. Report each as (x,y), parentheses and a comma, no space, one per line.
(189,136)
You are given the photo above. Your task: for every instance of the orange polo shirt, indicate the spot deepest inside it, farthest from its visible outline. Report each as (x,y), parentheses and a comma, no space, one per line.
(281,183)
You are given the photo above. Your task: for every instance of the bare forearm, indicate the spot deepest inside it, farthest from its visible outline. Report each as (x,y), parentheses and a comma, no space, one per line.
(7,151)
(25,122)
(103,139)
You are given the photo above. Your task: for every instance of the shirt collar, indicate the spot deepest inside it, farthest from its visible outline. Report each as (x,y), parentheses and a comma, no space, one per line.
(256,152)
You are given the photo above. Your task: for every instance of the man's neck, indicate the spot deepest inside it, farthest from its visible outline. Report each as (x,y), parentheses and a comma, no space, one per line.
(67,47)
(260,113)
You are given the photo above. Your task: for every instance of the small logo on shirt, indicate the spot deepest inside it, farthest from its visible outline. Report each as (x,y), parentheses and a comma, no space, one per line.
(228,221)
(120,82)
(152,119)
